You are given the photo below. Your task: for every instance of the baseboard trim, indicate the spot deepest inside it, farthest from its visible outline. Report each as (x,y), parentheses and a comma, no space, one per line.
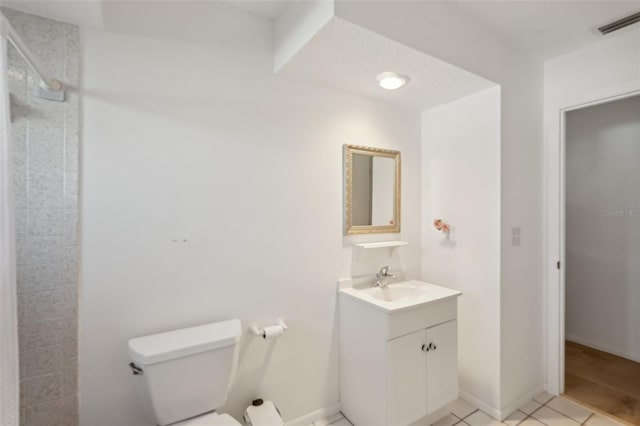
(478,403)
(584,342)
(497,413)
(314,416)
(433,417)
(509,409)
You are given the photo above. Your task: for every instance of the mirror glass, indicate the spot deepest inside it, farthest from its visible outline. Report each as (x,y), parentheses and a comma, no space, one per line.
(372,178)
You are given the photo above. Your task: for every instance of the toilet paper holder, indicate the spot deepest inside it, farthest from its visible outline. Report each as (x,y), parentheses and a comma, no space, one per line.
(270,331)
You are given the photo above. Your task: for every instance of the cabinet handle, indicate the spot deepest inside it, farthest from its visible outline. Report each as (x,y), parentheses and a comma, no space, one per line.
(432,346)
(425,348)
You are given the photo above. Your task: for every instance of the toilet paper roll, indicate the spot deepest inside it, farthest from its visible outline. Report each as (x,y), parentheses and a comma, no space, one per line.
(265,414)
(273,331)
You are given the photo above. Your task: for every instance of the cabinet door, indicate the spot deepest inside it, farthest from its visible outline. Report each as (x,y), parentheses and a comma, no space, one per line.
(442,365)
(406,379)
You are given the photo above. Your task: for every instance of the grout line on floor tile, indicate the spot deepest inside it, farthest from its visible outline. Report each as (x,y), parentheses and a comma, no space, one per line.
(537,409)
(337,420)
(470,414)
(345,417)
(562,414)
(537,420)
(457,417)
(587,419)
(526,416)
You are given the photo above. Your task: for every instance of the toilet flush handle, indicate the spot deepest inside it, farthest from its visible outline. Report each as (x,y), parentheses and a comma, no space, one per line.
(137,371)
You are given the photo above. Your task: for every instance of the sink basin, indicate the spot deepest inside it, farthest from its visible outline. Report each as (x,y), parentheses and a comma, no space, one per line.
(399,296)
(402,291)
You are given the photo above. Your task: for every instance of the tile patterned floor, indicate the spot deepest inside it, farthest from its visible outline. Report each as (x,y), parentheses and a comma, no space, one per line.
(543,410)
(335,420)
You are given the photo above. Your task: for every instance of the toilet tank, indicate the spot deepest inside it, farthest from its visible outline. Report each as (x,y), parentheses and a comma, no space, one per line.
(187,372)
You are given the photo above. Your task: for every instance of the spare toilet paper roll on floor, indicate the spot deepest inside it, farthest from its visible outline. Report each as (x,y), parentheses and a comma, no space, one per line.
(262,413)
(273,331)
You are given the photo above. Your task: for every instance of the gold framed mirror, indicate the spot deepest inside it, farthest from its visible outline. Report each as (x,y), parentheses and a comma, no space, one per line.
(372,190)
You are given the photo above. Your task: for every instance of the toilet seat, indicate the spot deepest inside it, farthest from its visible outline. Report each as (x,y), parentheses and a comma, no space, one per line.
(211,419)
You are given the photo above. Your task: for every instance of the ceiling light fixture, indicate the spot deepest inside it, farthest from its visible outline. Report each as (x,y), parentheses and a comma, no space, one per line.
(391,80)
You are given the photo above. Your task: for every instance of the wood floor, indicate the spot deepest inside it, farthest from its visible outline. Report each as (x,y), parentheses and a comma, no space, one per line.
(603,381)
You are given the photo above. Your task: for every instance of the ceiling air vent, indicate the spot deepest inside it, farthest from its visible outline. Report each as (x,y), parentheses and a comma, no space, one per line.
(620,24)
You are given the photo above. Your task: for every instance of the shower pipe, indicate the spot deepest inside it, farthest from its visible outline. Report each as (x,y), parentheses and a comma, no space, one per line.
(54,87)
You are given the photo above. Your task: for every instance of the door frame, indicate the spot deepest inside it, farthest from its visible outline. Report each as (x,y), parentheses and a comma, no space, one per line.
(554,221)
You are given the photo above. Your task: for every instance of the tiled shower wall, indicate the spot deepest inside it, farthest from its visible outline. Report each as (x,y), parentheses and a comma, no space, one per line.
(45,146)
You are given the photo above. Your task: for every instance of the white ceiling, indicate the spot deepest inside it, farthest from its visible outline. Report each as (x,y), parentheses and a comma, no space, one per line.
(543,28)
(546,28)
(84,13)
(348,57)
(269,9)
(89,13)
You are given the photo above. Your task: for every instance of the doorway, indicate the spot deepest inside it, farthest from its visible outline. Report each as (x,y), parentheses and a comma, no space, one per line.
(602,257)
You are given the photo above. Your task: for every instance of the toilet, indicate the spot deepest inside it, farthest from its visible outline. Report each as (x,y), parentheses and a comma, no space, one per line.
(184,375)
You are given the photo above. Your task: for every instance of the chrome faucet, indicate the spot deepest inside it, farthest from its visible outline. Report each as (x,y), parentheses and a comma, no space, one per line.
(383,276)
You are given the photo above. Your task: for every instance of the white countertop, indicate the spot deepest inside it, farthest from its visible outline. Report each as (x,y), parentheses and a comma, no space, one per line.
(398,296)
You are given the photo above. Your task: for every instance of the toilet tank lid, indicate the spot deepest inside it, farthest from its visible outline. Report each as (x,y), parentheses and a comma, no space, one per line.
(174,344)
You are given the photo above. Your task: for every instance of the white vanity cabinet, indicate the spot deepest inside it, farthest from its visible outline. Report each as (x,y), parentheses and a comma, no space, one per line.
(422,372)
(397,366)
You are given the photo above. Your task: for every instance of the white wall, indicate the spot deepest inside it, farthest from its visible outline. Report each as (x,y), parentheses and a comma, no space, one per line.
(200,141)
(594,71)
(604,70)
(448,35)
(461,183)
(603,227)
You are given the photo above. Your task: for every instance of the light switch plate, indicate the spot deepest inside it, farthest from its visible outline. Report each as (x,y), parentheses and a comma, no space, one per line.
(515,236)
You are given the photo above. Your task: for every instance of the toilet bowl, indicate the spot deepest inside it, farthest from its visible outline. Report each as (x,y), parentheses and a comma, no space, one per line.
(184,375)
